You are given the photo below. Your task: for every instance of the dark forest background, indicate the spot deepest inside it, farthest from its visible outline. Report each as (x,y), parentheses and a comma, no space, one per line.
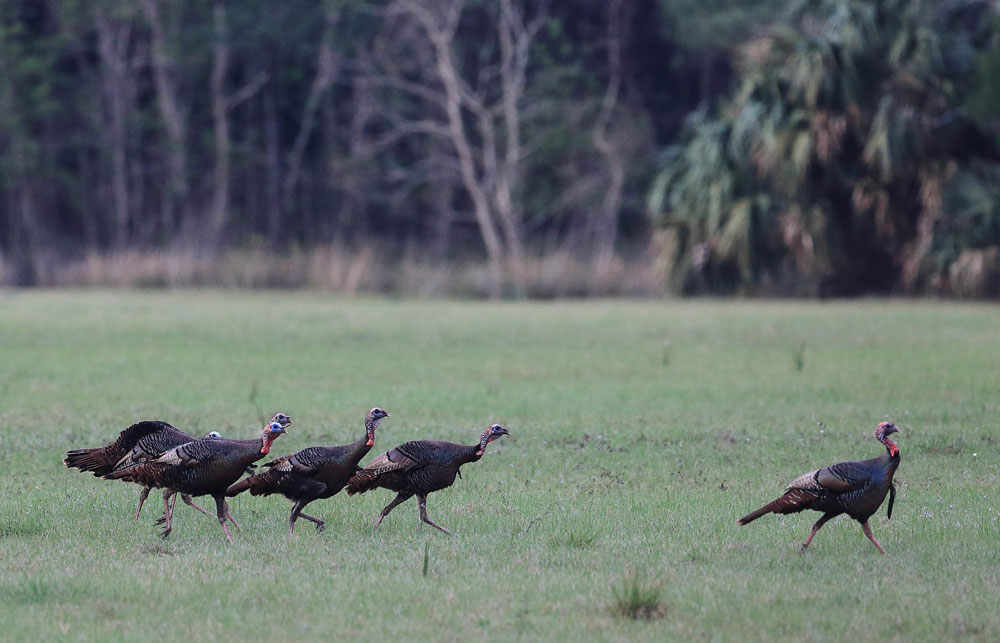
(503,147)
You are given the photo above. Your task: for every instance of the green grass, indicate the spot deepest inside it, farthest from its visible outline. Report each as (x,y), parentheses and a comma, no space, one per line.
(640,432)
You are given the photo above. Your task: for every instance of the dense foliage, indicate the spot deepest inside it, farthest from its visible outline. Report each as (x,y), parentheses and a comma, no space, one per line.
(844,161)
(823,146)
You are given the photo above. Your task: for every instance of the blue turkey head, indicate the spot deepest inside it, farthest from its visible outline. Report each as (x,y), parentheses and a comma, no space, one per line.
(372,420)
(273,430)
(490,434)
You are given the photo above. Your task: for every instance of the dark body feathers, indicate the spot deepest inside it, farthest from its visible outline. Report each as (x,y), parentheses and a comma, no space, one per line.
(311,474)
(856,488)
(140,443)
(314,473)
(203,467)
(318,471)
(419,468)
(146,439)
(198,467)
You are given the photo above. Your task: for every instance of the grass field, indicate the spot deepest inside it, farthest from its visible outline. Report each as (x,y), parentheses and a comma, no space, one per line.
(640,432)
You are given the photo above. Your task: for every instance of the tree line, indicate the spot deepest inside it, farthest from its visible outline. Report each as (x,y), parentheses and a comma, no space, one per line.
(769,146)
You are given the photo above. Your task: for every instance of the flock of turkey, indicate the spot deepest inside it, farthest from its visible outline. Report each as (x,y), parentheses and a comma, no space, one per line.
(155,454)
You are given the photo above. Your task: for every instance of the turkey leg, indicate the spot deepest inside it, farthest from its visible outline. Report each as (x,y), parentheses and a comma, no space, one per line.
(229,516)
(294,516)
(819,523)
(142,499)
(220,510)
(868,532)
(166,513)
(400,497)
(422,500)
(320,525)
(173,500)
(187,500)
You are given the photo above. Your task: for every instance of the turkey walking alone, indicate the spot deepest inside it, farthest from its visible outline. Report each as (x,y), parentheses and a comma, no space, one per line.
(204,467)
(142,442)
(855,488)
(312,474)
(418,468)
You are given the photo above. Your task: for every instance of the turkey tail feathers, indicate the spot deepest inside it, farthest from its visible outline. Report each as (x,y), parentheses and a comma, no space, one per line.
(91,460)
(754,515)
(121,474)
(363,481)
(238,488)
(793,501)
(260,484)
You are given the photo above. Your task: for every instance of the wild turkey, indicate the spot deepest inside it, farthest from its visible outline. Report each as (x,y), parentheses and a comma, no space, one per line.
(418,468)
(204,467)
(855,488)
(312,474)
(139,443)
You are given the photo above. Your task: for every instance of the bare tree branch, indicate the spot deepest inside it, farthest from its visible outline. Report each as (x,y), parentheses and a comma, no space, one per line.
(248,90)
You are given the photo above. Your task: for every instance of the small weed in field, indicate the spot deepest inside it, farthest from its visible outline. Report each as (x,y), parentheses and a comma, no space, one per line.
(157,549)
(30,591)
(427,556)
(30,526)
(639,599)
(576,538)
(799,357)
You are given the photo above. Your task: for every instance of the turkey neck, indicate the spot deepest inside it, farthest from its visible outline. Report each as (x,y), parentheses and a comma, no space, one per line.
(890,460)
(359,448)
(246,451)
(891,452)
(467,454)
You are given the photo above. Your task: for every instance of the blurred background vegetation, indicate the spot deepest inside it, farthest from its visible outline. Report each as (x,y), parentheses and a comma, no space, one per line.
(503,147)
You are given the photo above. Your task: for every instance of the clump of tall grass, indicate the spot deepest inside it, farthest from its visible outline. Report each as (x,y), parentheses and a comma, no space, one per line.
(799,356)
(638,598)
(576,538)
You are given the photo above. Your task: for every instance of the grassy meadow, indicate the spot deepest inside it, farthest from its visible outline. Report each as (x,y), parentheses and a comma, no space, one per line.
(640,432)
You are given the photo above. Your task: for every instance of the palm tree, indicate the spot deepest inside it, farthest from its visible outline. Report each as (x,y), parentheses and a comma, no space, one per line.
(827,169)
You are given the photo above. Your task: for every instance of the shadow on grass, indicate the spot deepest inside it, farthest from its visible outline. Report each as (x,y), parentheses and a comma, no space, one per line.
(32,526)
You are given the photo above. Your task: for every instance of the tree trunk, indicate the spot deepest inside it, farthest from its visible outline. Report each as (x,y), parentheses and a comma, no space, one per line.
(272,145)
(112,45)
(219,210)
(605,221)
(326,65)
(175,205)
(467,165)
(514,41)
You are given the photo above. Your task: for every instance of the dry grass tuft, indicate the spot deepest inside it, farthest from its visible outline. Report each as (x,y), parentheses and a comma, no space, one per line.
(365,268)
